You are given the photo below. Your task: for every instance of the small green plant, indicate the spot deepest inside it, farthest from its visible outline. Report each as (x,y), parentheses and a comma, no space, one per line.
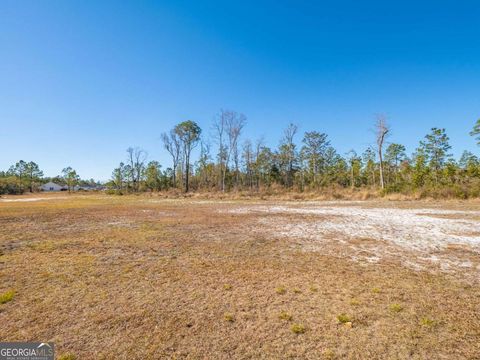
(426,322)
(343,318)
(298,328)
(227,287)
(67,356)
(7,296)
(285,316)
(354,302)
(281,290)
(376,290)
(396,308)
(228,317)
(297,291)
(313,288)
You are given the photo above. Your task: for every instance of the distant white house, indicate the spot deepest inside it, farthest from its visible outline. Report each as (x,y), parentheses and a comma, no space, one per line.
(51,186)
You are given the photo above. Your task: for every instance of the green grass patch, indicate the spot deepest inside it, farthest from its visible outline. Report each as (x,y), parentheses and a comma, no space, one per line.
(354,302)
(280,290)
(7,296)
(229,317)
(426,322)
(285,316)
(343,318)
(298,328)
(396,308)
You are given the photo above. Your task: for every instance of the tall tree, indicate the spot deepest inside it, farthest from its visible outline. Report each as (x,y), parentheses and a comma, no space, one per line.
(355,163)
(369,160)
(19,170)
(313,151)
(189,134)
(228,126)
(381,131)
(394,155)
(436,146)
(119,175)
(172,144)
(136,159)
(153,176)
(288,153)
(33,174)
(476,131)
(70,177)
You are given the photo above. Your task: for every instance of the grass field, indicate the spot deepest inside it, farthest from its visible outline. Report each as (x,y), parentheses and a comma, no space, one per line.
(150,278)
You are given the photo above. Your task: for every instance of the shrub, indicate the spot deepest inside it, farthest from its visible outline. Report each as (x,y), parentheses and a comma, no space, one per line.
(7,296)
(343,318)
(396,308)
(354,302)
(298,328)
(281,290)
(426,322)
(285,316)
(11,186)
(229,317)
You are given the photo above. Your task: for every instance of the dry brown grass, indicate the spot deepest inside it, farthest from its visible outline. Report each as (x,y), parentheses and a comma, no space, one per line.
(146,278)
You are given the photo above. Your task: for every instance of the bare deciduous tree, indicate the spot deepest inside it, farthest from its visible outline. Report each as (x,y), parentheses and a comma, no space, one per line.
(136,159)
(381,132)
(171,143)
(228,124)
(287,149)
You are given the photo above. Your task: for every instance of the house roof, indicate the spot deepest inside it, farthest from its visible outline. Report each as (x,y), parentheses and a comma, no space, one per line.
(50,183)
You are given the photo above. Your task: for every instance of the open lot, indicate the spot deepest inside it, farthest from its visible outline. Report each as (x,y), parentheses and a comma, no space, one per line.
(144,277)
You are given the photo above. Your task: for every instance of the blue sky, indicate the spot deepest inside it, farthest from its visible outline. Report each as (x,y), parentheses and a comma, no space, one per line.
(80,81)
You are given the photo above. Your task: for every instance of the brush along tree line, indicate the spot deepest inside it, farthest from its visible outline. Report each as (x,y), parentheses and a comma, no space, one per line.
(305,162)
(27,176)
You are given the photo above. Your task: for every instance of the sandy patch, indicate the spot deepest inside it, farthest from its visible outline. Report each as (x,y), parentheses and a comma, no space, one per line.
(34,199)
(419,237)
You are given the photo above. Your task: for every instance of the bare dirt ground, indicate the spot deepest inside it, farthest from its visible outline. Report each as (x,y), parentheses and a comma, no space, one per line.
(146,278)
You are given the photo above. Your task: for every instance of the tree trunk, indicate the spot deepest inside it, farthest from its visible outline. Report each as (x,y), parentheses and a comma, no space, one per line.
(382,184)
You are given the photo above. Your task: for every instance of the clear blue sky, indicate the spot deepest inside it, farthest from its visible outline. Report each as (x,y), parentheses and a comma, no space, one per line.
(80,81)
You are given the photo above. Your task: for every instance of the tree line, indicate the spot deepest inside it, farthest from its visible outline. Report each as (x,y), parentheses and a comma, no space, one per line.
(26,176)
(300,162)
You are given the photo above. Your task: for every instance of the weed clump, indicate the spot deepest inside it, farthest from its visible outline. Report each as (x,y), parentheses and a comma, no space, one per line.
(313,289)
(354,302)
(67,356)
(280,290)
(427,322)
(227,287)
(7,296)
(228,317)
(376,290)
(343,319)
(396,308)
(285,316)
(297,291)
(298,328)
